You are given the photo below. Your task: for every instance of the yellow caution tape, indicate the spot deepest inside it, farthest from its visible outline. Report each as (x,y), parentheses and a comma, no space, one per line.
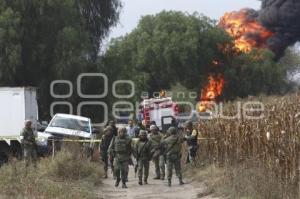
(11,138)
(70,140)
(206,138)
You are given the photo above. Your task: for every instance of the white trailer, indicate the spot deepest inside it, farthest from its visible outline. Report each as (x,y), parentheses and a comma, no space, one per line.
(16,105)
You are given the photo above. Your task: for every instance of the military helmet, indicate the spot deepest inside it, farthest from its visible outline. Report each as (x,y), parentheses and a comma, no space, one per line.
(188,124)
(172,130)
(28,122)
(153,127)
(143,133)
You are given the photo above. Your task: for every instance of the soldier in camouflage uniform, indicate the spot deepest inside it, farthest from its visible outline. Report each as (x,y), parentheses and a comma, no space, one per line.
(143,156)
(105,142)
(163,158)
(172,145)
(112,124)
(120,148)
(29,144)
(155,141)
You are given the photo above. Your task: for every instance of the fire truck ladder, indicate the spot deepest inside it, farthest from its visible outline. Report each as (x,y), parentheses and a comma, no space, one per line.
(147,113)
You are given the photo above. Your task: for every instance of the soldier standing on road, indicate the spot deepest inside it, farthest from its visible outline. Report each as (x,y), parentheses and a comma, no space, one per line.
(29,144)
(191,138)
(172,145)
(155,140)
(120,148)
(105,142)
(163,159)
(143,156)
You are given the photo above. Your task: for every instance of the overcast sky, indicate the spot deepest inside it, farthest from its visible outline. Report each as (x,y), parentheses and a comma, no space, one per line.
(134,9)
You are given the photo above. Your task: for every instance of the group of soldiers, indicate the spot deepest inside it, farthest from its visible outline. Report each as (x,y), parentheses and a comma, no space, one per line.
(164,149)
(119,145)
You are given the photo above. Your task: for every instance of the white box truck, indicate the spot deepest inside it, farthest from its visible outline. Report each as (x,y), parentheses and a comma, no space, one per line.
(16,105)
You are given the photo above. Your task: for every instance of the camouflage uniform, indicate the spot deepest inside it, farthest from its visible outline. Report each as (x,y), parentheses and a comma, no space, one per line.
(120,149)
(163,159)
(155,140)
(143,156)
(29,146)
(105,142)
(114,128)
(172,145)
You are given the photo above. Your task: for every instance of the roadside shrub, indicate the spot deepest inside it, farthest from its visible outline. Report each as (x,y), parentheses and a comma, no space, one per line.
(71,166)
(17,181)
(68,175)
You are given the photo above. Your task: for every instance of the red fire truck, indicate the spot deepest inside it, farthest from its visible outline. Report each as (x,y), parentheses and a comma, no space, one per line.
(155,109)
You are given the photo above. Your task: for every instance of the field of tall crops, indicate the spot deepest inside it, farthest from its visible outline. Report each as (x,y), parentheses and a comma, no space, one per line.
(272,142)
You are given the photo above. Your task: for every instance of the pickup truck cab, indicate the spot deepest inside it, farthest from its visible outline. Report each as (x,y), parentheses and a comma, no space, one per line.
(70,125)
(65,126)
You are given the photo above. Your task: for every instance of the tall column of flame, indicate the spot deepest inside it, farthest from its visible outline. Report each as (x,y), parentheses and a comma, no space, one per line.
(247,33)
(210,92)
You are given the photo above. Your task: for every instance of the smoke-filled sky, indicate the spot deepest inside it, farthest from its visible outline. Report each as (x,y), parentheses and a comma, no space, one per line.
(134,9)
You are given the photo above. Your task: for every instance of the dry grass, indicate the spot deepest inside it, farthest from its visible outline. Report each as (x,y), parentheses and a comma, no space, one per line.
(72,164)
(243,181)
(264,153)
(68,175)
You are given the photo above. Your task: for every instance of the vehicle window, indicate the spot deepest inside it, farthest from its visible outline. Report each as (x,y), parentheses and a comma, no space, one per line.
(167,120)
(69,123)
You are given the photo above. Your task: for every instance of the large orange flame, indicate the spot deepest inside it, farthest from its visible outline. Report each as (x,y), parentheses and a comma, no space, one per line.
(247,33)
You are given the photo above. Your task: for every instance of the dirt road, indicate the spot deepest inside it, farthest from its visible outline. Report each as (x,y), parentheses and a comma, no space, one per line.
(157,189)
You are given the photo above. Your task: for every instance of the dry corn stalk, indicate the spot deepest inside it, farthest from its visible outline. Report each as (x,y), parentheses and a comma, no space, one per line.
(273,140)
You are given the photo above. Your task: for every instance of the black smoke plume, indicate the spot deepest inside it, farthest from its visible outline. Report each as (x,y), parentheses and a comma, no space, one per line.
(283,18)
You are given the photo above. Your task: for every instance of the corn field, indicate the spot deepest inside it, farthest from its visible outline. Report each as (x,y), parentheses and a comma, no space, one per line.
(273,140)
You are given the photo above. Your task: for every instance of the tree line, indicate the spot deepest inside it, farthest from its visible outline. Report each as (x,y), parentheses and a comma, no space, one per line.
(42,41)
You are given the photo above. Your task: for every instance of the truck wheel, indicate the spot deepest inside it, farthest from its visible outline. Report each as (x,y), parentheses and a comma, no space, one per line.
(16,150)
(3,158)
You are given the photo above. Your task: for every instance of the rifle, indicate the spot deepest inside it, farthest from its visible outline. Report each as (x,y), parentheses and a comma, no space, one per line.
(138,157)
(113,152)
(166,152)
(135,169)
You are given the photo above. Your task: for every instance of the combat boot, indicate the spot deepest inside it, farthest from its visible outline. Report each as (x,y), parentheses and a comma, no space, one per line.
(140,181)
(145,181)
(124,185)
(117,182)
(169,183)
(105,175)
(181,182)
